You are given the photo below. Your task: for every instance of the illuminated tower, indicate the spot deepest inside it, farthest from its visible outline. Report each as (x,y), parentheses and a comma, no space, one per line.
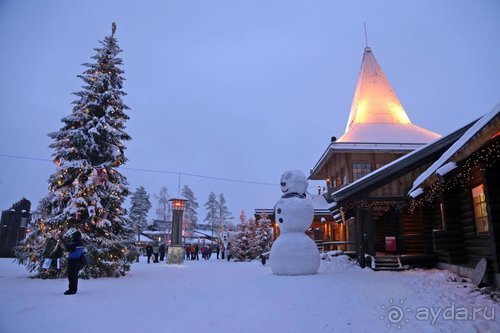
(378,131)
(376,112)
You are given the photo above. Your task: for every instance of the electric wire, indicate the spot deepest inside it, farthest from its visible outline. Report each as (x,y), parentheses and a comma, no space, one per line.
(29,158)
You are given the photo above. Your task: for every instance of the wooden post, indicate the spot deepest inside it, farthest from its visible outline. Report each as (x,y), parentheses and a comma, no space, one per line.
(360,243)
(370,230)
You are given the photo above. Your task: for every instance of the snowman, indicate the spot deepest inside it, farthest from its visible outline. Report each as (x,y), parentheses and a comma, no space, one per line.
(293,252)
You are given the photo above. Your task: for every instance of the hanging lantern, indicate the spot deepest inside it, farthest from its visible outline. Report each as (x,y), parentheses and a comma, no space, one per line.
(178,203)
(57,161)
(78,215)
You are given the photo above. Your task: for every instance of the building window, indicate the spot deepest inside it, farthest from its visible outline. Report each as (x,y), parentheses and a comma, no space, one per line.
(480,211)
(360,169)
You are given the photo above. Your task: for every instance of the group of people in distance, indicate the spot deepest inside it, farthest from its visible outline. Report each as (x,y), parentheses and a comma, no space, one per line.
(156,251)
(192,251)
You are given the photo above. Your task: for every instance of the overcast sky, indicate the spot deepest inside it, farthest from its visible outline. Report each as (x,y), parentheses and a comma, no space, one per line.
(236,89)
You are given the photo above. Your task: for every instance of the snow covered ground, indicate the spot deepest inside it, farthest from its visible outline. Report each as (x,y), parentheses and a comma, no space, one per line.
(220,296)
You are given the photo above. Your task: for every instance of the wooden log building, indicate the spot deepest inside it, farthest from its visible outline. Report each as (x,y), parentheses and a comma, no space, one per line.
(14,224)
(378,131)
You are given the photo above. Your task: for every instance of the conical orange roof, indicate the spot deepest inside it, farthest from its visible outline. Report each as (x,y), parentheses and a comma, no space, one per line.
(376,112)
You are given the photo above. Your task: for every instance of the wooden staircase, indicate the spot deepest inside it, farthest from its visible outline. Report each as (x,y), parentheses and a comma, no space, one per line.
(387,263)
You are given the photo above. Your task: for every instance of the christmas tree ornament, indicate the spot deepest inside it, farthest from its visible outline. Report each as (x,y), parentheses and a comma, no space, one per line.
(91,211)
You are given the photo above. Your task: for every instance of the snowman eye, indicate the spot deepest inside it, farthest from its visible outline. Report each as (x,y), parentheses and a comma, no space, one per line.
(281,220)
(279,210)
(283,184)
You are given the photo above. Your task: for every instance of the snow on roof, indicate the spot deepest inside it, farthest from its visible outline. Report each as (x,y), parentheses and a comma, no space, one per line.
(474,129)
(153,232)
(143,238)
(319,202)
(416,193)
(388,133)
(376,113)
(450,166)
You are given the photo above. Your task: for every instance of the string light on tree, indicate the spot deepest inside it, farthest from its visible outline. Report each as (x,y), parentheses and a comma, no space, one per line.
(86,184)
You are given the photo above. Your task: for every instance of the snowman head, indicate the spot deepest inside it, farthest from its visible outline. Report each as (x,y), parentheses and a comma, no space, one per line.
(293,182)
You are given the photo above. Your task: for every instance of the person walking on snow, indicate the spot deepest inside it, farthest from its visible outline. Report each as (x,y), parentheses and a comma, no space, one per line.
(196,252)
(162,251)
(149,252)
(228,251)
(191,250)
(204,252)
(156,252)
(76,250)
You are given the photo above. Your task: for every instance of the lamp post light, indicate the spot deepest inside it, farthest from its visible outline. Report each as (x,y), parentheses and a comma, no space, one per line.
(176,249)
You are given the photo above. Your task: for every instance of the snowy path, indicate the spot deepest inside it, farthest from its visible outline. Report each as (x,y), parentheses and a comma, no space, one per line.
(221,296)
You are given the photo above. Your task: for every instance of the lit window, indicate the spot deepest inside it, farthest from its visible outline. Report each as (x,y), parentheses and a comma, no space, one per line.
(480,211)
(360,169)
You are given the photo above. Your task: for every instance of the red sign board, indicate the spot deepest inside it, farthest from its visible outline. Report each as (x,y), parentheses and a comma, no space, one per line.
(390,244)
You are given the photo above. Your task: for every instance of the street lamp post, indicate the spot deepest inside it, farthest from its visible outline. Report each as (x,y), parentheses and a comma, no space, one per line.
(176,249)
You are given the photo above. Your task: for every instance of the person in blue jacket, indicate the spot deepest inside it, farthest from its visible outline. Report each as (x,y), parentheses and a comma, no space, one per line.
(75,249)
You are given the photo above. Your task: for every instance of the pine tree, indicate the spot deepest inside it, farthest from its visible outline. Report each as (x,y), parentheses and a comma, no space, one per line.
(243,217)
(223,215)
(140,206)
(254,248)
(253,239)
(212,206)
(263,234)
(163,208)
(190,214)
(87,191)
(241,249)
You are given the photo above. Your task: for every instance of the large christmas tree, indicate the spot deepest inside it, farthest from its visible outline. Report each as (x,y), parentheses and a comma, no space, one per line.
(87,191)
